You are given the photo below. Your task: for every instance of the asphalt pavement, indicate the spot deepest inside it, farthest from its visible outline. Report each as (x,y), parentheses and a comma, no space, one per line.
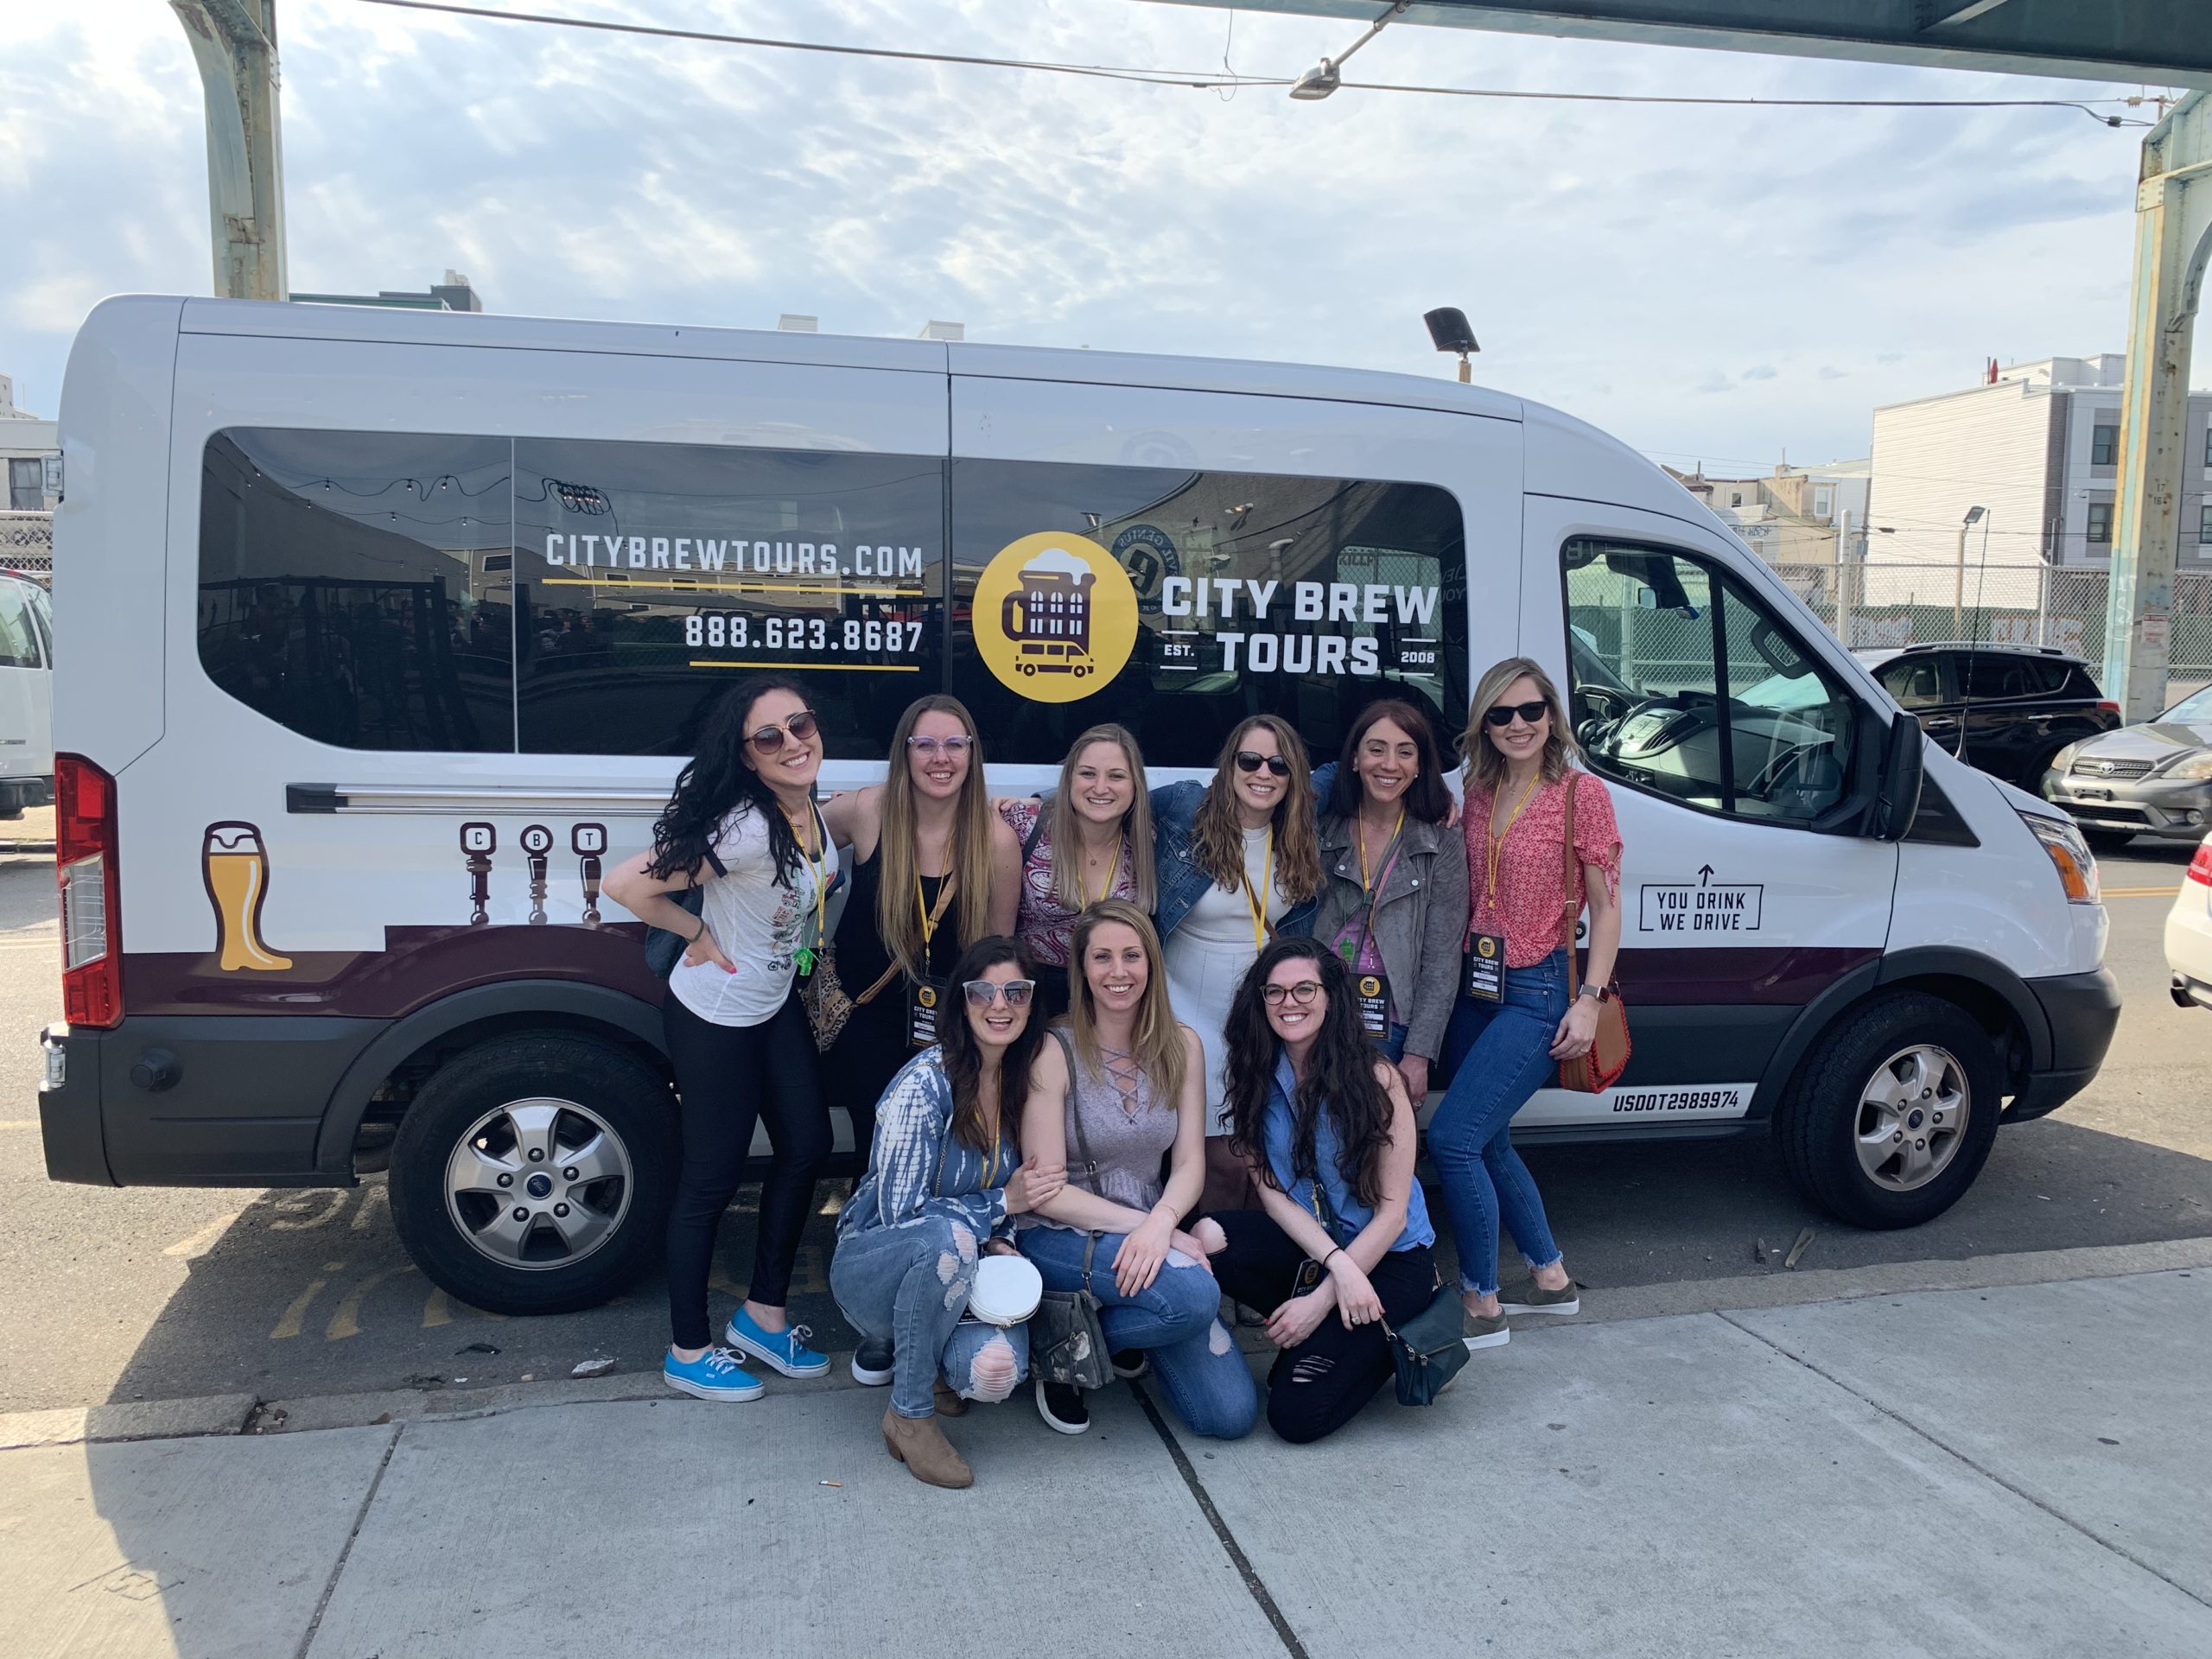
(153,1293)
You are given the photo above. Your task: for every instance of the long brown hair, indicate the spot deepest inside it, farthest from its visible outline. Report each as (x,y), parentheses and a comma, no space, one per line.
(1157,1040)
(1485,767)
(1218,838)
(1426,797)
(964,1055)
(897,918)
(1136,823)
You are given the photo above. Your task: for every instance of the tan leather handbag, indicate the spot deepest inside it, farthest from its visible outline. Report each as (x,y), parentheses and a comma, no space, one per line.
(1598,1069)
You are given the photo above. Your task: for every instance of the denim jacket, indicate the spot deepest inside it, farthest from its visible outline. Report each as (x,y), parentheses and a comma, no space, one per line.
(917,1167)
(1182,881)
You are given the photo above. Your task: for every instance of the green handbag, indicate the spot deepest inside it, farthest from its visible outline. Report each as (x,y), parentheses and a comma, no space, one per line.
(1430,1349)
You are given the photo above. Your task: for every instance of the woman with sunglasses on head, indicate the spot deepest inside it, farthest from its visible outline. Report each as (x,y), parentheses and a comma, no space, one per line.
(742,825)
(1517,1017)
(1117,1097)
(1341,1242)
(1239,861)
(945,1178)
(1394,904)
(1091,839)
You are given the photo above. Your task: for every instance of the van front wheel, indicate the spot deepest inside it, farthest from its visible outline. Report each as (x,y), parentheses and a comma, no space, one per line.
(1892,1116)
(532,1174)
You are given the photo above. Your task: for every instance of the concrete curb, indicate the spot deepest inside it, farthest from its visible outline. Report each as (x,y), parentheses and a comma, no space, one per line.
(136,1420)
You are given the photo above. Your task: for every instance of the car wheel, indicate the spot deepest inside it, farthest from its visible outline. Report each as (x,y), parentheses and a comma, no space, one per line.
(532,1174)
(1891,1114)
(2106,841)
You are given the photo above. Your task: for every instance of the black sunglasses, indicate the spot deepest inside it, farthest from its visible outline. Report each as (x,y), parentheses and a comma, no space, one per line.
(769,738)
(1504,714)
(1247,761)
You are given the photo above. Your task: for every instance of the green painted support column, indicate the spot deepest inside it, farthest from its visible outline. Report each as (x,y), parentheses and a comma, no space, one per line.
(234,42)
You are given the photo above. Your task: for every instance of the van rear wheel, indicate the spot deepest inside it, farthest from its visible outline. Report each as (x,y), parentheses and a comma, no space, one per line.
(532,1174)
(1892,1116)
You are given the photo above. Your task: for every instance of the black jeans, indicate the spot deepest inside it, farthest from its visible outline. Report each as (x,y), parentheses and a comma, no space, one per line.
(1320,1385)
(728,1076)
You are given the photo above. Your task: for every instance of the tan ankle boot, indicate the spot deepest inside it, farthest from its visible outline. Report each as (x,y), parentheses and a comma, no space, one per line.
(919,1444)
(948,1403)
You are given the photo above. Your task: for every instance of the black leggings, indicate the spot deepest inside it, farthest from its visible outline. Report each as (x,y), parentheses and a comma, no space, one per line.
(728,1076)
(1318,1387)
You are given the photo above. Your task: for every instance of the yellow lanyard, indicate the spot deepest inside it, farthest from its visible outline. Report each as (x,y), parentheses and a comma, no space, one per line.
(1498,838)
(929,927)
(1256,903)
(1113,873)
(821,868)
(1364,885)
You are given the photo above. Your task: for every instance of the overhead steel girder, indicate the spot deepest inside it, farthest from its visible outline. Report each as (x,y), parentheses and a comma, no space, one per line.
(2167,42)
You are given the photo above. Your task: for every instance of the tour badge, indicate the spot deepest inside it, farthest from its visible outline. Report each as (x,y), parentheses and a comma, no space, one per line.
(1486,968)
(922,998)
(1374,993)
(1055,617)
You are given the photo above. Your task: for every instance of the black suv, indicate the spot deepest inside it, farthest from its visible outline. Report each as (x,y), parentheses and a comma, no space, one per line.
(2006,710)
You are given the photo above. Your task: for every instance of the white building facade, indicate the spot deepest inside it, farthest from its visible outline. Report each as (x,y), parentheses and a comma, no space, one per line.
(31,484)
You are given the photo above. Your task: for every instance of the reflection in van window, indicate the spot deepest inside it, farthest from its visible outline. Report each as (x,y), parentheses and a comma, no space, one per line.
(19,635)
(1177,602)
(1682,684)
(345,589)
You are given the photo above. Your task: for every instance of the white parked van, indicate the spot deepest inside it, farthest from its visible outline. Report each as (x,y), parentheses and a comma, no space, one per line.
(384,633)
(26,695)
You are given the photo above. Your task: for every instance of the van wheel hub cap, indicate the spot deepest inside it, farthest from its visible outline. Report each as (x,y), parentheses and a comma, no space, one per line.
(1912,1117)
(541,1219)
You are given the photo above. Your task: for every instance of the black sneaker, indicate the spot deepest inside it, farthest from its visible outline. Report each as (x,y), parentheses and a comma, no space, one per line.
(872,1364)
(1062,1408)
(1129,1364)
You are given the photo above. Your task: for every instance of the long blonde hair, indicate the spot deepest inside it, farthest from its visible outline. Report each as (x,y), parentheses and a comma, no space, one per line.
(897,872)
(1485,767)
(1219,838)
(1136,823)
(1156,1043)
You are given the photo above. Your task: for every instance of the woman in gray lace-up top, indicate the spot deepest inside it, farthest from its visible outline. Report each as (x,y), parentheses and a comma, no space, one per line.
(1119,1095)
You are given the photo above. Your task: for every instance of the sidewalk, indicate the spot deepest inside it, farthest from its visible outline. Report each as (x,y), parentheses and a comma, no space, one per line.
(2015,1471)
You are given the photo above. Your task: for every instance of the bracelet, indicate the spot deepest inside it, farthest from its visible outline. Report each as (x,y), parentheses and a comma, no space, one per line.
(1331,1257)
(701,934)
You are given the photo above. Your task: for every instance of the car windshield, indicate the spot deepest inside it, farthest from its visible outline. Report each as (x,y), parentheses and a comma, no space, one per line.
(2197,706)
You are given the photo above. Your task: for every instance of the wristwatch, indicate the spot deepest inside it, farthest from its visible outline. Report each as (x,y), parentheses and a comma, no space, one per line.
(1590,988)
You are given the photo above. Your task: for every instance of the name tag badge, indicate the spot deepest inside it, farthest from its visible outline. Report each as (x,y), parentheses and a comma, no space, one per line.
(1374,993)
(1486,968)
(922,1000)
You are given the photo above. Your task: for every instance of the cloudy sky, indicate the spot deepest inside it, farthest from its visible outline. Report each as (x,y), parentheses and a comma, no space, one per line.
(1715,283)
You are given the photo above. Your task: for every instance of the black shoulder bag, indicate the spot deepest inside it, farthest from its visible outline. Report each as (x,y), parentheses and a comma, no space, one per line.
(1429,1350)
(1067,1342)
(664,950)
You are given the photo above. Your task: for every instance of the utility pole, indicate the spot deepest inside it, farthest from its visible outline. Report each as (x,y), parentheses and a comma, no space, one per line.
(235,44)
(2173,235)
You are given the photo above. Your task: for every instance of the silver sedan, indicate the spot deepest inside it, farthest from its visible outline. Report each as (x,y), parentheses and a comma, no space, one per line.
(2153,779)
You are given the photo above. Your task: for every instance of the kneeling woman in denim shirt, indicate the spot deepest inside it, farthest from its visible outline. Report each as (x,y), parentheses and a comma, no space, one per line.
(944,1177)
(1342,1241)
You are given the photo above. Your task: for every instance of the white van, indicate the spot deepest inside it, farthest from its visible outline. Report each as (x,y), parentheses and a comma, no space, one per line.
(384,631)
(26,695)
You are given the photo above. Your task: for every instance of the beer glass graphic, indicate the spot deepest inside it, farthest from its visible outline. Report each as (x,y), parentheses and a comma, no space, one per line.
(236,868)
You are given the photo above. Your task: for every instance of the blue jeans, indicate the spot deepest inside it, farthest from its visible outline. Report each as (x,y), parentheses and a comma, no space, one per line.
(1500,1054)
(1201,1370)
(909,1284)
(1393,1046)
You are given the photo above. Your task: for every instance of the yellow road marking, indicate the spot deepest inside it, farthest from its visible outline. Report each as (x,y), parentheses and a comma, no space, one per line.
(200,1242)
(346,1321)
(288,1324)
(2142,893)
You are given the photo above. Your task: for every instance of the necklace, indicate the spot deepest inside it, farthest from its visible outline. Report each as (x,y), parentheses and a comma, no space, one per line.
(1113,873)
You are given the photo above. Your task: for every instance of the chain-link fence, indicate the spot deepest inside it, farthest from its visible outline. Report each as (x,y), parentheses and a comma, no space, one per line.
(27,542)
(1900,604)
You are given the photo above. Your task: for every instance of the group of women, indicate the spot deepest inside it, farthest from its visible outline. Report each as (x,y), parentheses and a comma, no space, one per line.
(1166,1043)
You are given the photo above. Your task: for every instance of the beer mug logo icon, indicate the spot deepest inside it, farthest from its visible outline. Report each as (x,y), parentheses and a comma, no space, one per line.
(926,995)
(1485,946)
(235,866)
(1369,986)
(1055,617)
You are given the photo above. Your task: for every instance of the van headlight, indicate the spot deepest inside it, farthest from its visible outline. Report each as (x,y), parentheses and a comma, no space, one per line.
(2069,856)
(2191,768)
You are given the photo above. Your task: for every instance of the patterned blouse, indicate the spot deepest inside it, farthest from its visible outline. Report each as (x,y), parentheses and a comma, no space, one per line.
(1530,899)
(1045,924)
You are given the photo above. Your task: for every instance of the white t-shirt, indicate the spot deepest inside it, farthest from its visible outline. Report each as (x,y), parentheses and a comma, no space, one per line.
(759,922)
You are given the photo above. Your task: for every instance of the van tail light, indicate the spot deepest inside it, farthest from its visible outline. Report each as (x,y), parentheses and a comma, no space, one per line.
(2108,707)
(2200,867)
(92,911)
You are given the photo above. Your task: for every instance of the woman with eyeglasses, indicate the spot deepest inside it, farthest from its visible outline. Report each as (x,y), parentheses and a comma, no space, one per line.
(742,825)
(1341,1243)
(1239,862)
(945,1178)
(1117,1099)
(1517,1016)
(1394,906)
(1091,839)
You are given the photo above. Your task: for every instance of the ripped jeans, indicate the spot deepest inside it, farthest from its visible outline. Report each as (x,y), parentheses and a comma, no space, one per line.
(1175,1319)
(909,1283)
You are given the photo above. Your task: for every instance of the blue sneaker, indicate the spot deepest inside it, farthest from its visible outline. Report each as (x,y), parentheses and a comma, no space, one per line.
(784,1351)
(716,1374)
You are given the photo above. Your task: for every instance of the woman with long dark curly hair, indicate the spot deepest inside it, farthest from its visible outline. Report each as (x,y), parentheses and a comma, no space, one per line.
(742,825)
(1341,1242)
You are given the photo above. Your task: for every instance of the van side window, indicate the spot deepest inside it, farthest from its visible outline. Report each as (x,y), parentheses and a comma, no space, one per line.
(19,635)
(1176,602)
(1683,684)
(347,586)
(653,575)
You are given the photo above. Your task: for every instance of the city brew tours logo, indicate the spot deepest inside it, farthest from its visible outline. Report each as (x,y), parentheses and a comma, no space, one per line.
(1055,617)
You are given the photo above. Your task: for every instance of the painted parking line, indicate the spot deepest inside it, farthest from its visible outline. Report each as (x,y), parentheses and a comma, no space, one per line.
(2142,893)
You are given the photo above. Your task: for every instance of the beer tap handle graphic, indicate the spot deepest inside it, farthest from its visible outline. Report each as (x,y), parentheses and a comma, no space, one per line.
(536,842)
(588,841)
(478,842)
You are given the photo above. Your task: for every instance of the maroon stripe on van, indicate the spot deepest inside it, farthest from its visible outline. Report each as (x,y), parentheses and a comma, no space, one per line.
(417,967)
(1768,975)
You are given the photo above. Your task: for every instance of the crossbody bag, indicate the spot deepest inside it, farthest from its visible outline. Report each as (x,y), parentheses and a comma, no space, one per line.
(1067,1344)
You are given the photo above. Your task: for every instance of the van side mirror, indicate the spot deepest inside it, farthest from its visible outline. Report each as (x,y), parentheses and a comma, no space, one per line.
(1897,800)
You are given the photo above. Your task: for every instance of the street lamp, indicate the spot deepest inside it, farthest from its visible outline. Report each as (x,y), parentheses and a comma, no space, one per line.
(1322,78)
(1959,585)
